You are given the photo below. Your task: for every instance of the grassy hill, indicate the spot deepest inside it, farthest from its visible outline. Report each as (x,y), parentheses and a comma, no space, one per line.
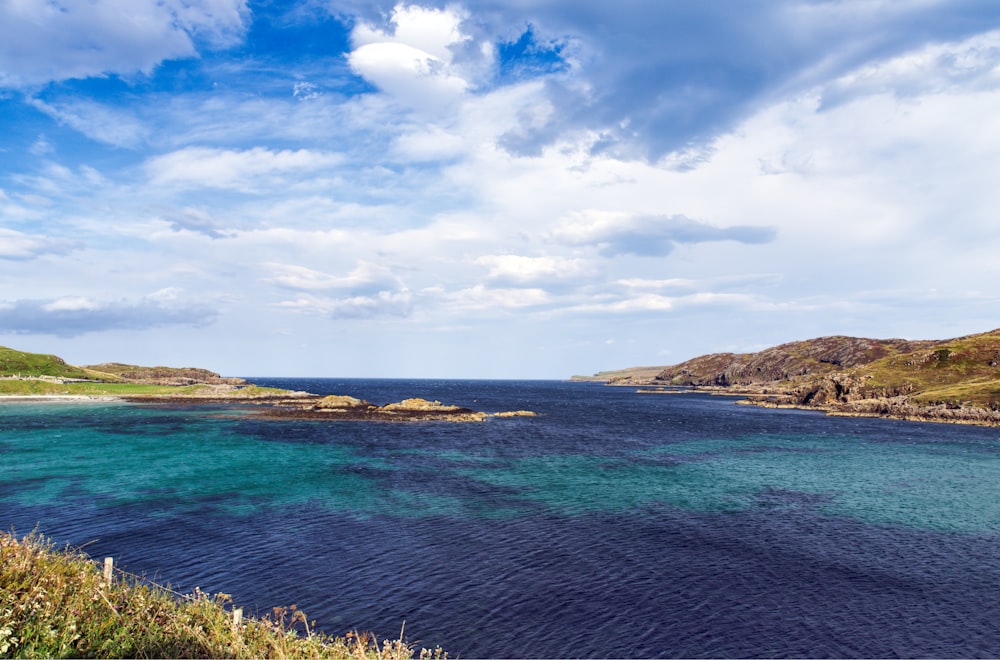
(952,379)
(953,371)
(34,365)
(161,375)
(38,374)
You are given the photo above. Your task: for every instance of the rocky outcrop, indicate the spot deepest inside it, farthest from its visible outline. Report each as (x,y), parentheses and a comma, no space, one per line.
(953,380)
(787,362)
(302,405)
(179,376)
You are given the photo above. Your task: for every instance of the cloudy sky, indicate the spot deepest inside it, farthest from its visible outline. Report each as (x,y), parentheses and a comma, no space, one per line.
(492,188)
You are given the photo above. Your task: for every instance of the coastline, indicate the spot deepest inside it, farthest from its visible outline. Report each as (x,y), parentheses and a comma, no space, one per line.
(58,398)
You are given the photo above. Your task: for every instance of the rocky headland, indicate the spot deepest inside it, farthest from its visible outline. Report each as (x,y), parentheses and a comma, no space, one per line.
(952,380)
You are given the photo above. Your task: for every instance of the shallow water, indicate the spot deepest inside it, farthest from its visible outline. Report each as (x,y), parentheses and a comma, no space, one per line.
(614,524)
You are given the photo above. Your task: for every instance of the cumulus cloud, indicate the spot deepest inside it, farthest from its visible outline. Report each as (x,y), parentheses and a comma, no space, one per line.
(61,39)
(71,316)
(650,79)
(647,236)
(368,291)
(412,60)
(244,170)
(18,246)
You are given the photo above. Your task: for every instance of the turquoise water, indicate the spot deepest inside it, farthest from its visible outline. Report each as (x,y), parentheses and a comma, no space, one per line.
(117,454)
(612,524)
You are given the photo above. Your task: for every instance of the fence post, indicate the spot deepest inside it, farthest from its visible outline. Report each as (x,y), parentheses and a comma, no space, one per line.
(237,616)
(109,566)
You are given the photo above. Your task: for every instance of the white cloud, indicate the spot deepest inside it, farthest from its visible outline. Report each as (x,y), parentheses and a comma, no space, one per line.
(247,170)
(412,62)
(361,209)
(71,316)
(431,143)
(522,270)
(15,245)
(934,69)
(381,304)
(480,297)
(99,122)
(367,278)
(61,39)
(432,31)
(615,233)
(71,304)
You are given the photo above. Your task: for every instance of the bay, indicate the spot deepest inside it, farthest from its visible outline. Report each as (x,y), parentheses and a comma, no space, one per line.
(614,524)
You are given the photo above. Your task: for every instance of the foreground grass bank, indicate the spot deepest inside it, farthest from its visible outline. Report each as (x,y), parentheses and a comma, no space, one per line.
(57,603)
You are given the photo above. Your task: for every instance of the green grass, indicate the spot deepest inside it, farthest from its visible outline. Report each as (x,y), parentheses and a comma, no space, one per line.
(41,387)
(57,604)
(37,364)
(963,370)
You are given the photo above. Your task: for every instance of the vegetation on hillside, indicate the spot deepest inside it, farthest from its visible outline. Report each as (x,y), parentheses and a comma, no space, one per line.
(57,603)
(36,374)
(19,363)
(630,372)
(162,375)
(953,371)
(935,380)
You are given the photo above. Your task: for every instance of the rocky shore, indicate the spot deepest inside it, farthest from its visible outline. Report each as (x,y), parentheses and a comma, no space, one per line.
(303,405)
(952,380)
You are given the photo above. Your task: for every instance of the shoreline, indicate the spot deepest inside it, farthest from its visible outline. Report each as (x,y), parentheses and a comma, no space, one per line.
(58,398)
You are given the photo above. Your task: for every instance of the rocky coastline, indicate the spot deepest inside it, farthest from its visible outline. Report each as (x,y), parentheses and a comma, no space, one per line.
(953,381)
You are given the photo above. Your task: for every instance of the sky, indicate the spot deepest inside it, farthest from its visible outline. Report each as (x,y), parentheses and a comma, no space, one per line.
(492,188)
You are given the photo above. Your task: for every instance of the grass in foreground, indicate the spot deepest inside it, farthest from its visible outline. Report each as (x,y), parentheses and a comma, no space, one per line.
(56,603)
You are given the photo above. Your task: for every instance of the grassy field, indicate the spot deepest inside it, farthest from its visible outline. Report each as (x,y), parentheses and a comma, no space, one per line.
(56,603)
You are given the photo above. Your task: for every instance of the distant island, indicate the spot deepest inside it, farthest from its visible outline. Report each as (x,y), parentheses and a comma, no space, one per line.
(951,380)
(38,376)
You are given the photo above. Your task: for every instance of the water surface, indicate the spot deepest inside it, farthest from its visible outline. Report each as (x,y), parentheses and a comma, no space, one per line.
(614,524)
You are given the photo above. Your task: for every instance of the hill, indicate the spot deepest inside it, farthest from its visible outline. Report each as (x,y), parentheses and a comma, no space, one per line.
(940,380)
(162,375)
(38,365)
(39,374)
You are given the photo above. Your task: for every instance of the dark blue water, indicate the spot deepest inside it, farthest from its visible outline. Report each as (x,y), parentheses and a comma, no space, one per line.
(614,524)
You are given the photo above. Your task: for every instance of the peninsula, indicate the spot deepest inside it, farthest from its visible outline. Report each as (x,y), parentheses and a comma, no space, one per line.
(36,376)
(951,380)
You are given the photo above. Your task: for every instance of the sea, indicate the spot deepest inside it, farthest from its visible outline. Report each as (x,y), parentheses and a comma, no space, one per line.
(613,524)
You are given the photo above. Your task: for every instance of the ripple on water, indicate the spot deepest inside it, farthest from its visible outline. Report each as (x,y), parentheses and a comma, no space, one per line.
(611,525)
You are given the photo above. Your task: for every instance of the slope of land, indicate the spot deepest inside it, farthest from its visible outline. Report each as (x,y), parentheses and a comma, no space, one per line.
(34,375)
(161,375)
(638,373)
(956,380)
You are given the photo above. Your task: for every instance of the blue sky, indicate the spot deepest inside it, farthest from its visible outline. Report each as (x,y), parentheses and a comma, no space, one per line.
(492,189)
